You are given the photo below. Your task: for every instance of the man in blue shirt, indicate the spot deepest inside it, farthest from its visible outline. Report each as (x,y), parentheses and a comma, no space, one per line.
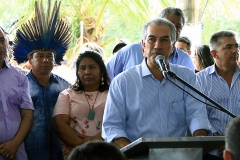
(142,103)
(132,55)
(184,43)
(221,81)
(42,48)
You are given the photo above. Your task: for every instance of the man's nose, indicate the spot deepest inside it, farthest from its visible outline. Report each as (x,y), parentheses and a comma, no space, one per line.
(236,49)
(158,44)
(45,59)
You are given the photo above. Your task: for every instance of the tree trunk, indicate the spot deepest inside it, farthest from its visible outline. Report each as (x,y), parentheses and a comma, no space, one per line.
(193,26)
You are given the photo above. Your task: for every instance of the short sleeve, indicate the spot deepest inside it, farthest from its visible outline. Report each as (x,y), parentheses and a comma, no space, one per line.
(63,104)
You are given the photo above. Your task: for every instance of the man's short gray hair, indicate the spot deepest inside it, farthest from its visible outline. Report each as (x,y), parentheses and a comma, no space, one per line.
(173,10)
(216,37)
(232,138)
(160,22)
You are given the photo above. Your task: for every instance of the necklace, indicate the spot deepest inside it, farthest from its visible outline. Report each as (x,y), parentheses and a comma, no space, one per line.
(91,113)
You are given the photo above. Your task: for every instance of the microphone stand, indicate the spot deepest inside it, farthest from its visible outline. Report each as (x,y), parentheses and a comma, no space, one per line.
(219,107)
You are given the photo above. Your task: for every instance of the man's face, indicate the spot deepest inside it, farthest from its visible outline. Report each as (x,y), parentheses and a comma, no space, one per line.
(42,62)
(177,21)
(183,46)
(3,50)
(227,52)
(157,42)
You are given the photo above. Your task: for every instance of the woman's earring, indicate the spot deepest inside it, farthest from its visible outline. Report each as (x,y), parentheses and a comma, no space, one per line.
(102,79)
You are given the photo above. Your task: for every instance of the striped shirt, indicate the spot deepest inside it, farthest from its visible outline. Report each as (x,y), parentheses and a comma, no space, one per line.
(215,87)
(138,105)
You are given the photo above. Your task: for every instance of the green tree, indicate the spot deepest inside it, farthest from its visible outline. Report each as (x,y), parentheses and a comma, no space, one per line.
(106,21)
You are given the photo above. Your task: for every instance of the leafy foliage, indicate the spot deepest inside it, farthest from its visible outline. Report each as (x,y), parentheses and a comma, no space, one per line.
(107,21)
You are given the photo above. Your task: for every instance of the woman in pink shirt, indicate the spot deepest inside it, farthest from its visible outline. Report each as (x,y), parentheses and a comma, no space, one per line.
(78,113)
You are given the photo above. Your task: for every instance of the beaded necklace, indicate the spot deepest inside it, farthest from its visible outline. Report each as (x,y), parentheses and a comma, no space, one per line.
(91,113)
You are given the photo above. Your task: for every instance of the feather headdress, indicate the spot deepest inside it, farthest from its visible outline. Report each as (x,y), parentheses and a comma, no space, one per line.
(43,32)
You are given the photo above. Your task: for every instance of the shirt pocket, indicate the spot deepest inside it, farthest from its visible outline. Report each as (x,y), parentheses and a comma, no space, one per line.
(14,96)
(177,113)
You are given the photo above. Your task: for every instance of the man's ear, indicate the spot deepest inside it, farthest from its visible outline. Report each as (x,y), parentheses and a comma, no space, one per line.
(29,56)
(213,53)
(227,155)
(143,46)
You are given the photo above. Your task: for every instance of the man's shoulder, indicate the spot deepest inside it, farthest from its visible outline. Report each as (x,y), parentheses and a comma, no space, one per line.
(179,68)
(205,72)
(182,58)
(131,72)
(17,70)
(60,80)
(204,76)
(182,53)
(125,53)
(132,46)
(12,75)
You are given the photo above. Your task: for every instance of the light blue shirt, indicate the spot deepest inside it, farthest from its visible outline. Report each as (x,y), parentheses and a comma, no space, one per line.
(216,88)
(138,105)
(132,55)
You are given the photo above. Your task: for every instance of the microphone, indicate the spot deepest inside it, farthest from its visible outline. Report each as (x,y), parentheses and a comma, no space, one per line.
(160,60)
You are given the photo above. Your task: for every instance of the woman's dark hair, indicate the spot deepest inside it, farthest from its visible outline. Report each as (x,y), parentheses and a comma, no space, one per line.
(98,59)
(204,58)
(97,150)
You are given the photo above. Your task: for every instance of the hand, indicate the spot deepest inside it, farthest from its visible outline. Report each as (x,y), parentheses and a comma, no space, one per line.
(8,150)
(121,142)
(200,132)
(217,134)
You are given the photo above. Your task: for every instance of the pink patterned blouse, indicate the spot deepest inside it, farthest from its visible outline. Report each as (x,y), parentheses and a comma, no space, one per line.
(77,105)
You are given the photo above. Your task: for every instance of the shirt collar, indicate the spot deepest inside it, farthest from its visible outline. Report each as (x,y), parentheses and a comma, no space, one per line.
(237,70)
(175,52)
(213,69)
(53,78)
(145,69)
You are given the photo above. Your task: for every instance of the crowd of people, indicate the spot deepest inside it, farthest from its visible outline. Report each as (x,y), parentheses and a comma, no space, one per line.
(109,104)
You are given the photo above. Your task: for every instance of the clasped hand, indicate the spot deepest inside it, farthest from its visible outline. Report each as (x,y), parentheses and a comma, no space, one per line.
(8,150)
